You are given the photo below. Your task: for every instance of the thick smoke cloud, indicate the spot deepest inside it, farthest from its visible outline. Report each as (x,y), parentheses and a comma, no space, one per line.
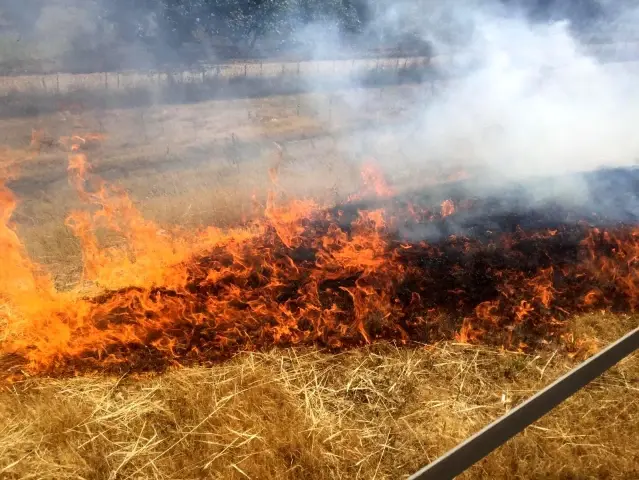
(535,102)
(526,94)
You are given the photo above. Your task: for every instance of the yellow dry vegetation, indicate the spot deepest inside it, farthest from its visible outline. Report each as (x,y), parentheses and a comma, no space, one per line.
(378,412)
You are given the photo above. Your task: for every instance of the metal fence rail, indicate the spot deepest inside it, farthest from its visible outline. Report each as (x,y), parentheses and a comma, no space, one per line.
(460,458)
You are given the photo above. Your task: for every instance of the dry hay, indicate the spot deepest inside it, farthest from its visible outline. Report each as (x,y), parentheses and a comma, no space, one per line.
(377,412)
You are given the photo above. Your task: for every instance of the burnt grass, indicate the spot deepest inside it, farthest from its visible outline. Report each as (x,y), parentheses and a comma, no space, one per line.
(507,275)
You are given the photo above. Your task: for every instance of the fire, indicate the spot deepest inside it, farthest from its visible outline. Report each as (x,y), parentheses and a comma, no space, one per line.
(448,208)
(300,275)
(374,182)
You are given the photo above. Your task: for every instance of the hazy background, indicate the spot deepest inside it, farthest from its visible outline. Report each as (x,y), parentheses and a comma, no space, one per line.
(99,35)
(527,90)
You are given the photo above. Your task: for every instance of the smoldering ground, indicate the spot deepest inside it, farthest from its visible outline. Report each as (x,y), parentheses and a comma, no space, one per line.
(525,99)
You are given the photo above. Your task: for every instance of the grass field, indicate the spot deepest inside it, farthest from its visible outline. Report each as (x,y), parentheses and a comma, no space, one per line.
(202,164)
(376,412)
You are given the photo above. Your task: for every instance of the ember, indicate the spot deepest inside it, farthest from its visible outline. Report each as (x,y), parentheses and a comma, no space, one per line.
(305,275)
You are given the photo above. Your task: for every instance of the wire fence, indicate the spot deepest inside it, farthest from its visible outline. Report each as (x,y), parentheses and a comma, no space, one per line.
(60,83)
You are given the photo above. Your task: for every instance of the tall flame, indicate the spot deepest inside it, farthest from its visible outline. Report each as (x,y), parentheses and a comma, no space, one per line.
(300,275)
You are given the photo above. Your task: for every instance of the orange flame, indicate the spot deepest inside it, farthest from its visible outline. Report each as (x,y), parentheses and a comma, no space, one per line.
(448,208)
(373,181)
(298,275)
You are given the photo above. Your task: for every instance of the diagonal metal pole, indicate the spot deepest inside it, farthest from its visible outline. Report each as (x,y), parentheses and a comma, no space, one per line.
(475,448)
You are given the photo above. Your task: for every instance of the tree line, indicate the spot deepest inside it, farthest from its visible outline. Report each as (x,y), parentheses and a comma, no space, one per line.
(176,22)
(107,34)
(96,35)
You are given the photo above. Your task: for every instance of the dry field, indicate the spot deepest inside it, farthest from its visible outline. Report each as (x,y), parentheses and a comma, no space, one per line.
(202,164)
(376,412)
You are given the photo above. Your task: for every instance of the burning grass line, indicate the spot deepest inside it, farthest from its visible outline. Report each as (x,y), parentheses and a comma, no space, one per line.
(305,276)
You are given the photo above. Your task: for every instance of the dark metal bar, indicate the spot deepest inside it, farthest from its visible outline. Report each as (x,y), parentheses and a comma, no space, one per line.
(501,430)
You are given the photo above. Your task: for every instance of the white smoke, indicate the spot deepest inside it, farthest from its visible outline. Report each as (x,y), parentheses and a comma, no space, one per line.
(522,98)
(536,104)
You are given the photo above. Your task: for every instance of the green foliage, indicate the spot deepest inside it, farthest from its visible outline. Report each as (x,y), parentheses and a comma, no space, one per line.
(246,20)
(99,34)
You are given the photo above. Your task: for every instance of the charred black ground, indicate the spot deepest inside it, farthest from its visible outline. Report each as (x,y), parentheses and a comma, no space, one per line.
(500,270)
(603,198)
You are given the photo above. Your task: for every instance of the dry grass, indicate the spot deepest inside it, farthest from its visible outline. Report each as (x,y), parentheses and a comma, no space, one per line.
(195,165)
(378,412)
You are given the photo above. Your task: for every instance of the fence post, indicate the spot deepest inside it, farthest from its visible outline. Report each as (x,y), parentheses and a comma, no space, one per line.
(460,458)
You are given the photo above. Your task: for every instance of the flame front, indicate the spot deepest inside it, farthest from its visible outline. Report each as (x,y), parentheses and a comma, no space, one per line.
(300,275)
